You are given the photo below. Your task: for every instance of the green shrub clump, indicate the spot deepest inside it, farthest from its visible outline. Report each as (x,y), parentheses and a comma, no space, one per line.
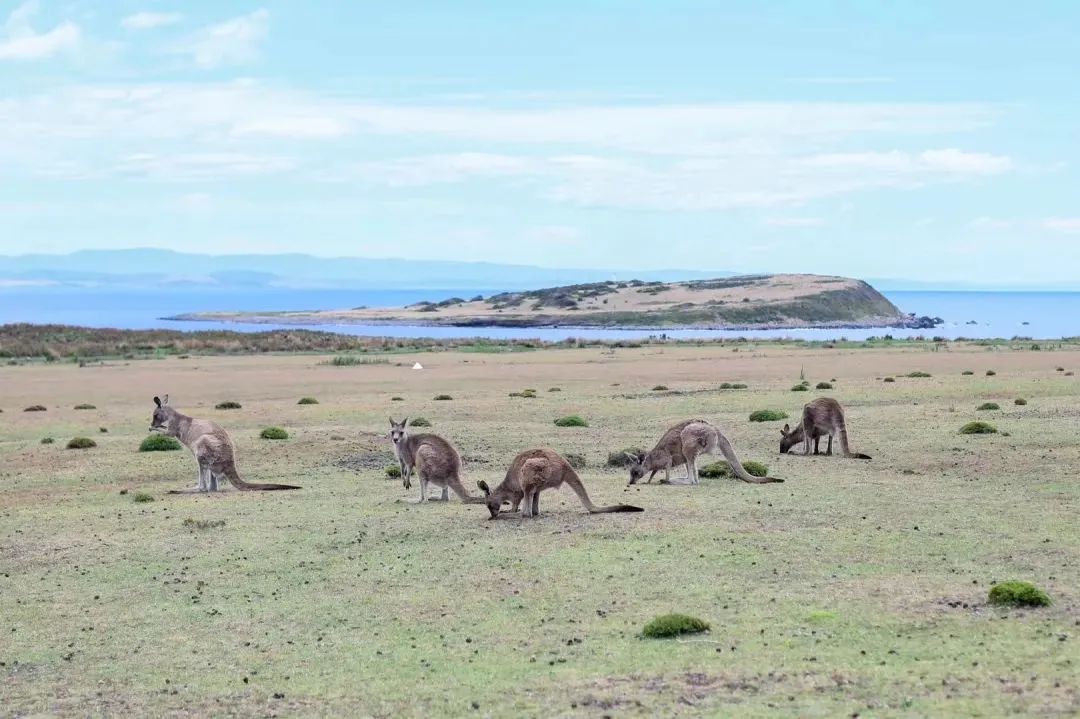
(1019,594)
(274,433)
(990,373)
(988,406)
(159,443)
(1020,401)
(723,469)
(526,393)
(442,398)
(571,421)
(978,428)
(35,408)
(660,388)
(577,461)
(768,415)
(800,388)
(308,400)
(889,379)
(397,399)
(618,458)
(85,406)
(393,471)
(419,422)
(142,497)
(554,389)
(824,385)
(672,625)
(47,440)
(917,374)
(227,405)
(967,373)
(81,443)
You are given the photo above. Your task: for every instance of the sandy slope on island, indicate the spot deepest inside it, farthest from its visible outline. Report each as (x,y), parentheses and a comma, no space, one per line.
(776,301)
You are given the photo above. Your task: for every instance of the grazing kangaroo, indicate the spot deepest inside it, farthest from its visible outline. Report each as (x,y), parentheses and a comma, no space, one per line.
(682,444)
(532,472)
(822,417)
(211,445)
(433,458)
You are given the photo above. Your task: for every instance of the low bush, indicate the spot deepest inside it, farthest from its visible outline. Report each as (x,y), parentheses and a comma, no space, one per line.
(554,389)
(889,379)
(1060,369)
(142,497)
(419,422)
(978,428)
(526,393)
(660,388)
(1019,594)
(824,385)
(47,440)
(308,400)
(85,406)
(397,399)
(393,471)
(227,405)
(159,443)
(672,625)
(917,374)
(35,408)
(577,461)
(768,415)
(722,469)
(274,433)
(1020,401)
(571,421)
(442,398)
(618,458)
(990,373)
(103,430)
(988,406)
(967,372)
(800,388)
(81,443)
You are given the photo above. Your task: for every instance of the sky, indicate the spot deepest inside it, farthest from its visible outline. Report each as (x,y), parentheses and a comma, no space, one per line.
(934,141)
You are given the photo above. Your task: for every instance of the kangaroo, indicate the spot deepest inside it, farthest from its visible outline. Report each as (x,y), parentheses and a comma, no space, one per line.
(532,472)
(433,458)
(683,443)
(666,455)
(211,445)
(822,417)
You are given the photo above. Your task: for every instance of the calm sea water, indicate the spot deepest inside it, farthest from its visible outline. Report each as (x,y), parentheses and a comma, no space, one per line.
(1049,315)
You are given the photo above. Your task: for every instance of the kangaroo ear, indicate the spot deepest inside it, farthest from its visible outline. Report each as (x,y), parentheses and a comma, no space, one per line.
(786,429)
(405,422)
(157,401)
(632,457)
(483,486)
(166,400)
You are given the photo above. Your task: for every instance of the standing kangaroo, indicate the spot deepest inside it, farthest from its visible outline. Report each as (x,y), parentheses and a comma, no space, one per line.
(433,458)
(211,445)
(822,417)
(682,444)
(532,472)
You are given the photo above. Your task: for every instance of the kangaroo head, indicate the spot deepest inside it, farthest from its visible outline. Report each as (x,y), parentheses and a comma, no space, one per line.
(637,466)
(493,499)
(159,422)
(790,437)
(398,430)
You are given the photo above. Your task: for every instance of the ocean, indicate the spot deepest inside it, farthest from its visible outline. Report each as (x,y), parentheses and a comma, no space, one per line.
(1041,315)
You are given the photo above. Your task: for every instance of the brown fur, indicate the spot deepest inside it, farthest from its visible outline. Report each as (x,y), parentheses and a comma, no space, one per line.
(683,443)
(824,417)
(433,458)
(211,445)
(532,472)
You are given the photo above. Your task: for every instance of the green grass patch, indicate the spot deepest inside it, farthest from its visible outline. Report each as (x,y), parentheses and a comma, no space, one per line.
(159,443)
(393,471)
(917,374)
(978,428)
(419,422)
(228,404)
(986,406)
(274,433)
(571,421)
(554,389)
(202,523)
(721,469)
(667,626)
(142,497)
(800,388)
(308,400)
(442,398)
(660,388)
(85,406)
(768,415)
(81,443)
(47,440)
(1018,594)
(355,360)
(525,393)
(1020,401)
(823,385)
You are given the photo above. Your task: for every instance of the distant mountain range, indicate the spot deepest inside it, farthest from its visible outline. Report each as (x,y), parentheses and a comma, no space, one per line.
(154,268)
(165,268)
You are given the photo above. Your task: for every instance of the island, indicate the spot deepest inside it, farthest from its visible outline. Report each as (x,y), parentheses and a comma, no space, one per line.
(782,301)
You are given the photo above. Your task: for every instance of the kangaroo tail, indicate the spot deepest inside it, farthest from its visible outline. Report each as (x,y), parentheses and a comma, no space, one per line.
(844,444)
(234,478)
(579,489)
(736,466)
(454,483)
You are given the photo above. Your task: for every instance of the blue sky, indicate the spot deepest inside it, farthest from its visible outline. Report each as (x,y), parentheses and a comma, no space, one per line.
(926,140)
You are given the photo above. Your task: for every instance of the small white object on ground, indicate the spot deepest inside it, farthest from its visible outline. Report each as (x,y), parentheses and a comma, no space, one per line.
(418,366)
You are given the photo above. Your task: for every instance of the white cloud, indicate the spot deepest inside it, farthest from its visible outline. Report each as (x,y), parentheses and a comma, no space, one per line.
(19,40)
(299,127)
(195,166)
(150,20)
(233,42)
(1069,225)
(794,221)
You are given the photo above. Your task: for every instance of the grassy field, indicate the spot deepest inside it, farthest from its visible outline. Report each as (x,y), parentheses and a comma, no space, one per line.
(854,589)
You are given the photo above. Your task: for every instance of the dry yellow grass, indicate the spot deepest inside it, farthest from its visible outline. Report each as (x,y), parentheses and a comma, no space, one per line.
(855,587)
